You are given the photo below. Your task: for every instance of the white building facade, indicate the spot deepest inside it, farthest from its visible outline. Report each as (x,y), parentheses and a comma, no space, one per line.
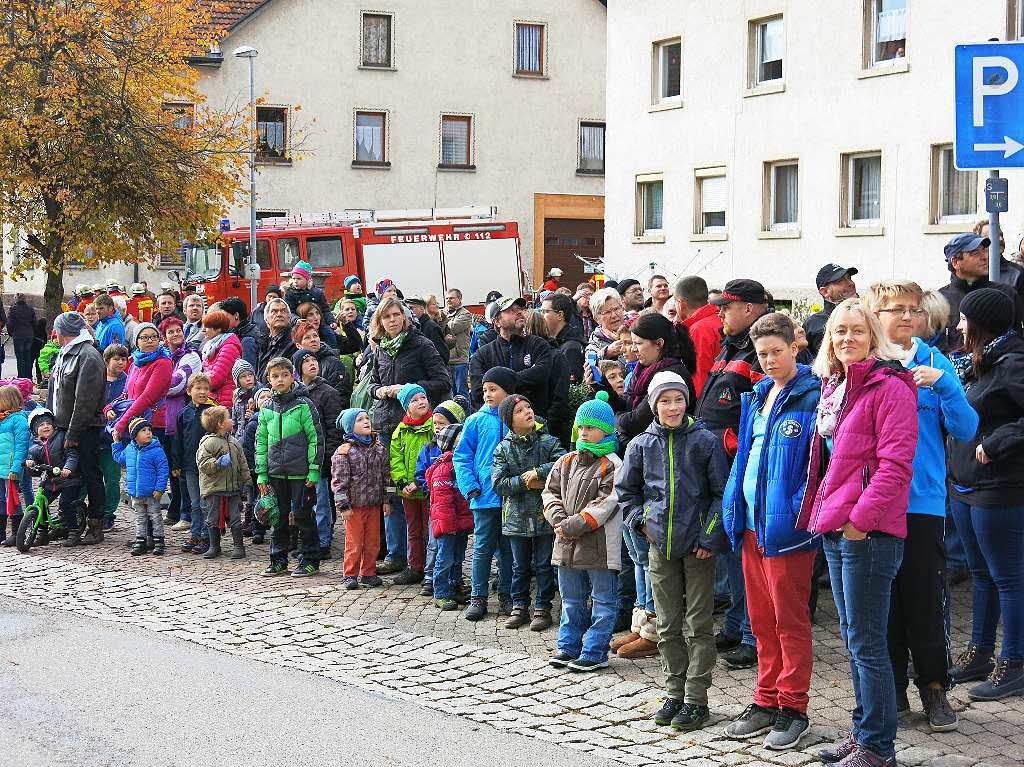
(766,138)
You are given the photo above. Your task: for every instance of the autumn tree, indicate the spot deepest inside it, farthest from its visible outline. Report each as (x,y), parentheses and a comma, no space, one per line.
(94,168)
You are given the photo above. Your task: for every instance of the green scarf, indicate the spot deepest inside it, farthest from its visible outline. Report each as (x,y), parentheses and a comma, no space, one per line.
(392,345)
(607,445)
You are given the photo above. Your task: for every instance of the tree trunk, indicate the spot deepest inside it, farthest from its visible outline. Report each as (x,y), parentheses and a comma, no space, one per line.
(53,294)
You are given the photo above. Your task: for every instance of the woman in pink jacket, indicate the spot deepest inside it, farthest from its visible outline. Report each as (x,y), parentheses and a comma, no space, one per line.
(149,378)
(220,351)
(858,484)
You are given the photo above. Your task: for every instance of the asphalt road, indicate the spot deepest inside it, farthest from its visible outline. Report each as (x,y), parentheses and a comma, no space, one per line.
(86,693)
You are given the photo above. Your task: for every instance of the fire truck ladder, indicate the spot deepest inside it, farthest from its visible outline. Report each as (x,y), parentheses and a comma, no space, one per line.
(358,216)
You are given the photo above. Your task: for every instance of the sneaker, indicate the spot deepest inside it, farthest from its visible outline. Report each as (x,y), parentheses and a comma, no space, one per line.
(1007,679)
(668,711)
(408,577)
(276,568)
(582,665)
(167,521)
(541,619)
(427,589)
(390,567)
(839,751)
(520,617)
(370,581)
(861,757)
(973,665)
(691,717)
(351,583)
(188,545)
(755,720)
(181,525)
(902,702)
(504,604)
(724,642)
(941,716)
(446,604)
(790,726)
(743,656)
(561,660)
(477,608)
(305,570)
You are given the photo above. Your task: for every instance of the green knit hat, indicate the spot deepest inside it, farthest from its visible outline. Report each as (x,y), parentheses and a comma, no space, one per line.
(598,413)
(451,410)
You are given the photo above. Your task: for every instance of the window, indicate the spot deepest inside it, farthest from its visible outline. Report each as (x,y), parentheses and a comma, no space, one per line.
(668,57)
(287,253)
(591,148)
(324,252)
(710,198)
(456,141)
(272,126)
(954,193)
(768,46)
(782,196)
(885,32)
(649,199)
(377,40)
(529,49)
(240,256)
(182,115)
(862,190)
(370,137)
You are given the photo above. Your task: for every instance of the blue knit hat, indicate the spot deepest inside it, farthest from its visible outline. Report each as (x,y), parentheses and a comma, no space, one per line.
(351,280)
(597,412)
(407,392)
(347,420)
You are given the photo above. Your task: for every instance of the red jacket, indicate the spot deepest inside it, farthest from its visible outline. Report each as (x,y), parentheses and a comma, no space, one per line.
(706,333)
(141,308)
(219,370)
(449,511)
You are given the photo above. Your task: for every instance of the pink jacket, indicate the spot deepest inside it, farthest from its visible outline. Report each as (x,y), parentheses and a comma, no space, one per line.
(219,370)
(147,385)
(867,478)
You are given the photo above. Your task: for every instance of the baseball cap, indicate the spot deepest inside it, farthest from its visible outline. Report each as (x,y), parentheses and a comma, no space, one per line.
(506,303)
(964,243)
(832,272)
(748,291)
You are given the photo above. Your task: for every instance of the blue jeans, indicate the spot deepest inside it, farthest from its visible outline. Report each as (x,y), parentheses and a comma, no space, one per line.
(862,573)
(994,543)
(585,633)
(26,487)
(428,565)
(197,519)
(532,553)
(451,554)
(324,526)
(639,547)
(395,530)
(488,541)
(459,379)
(737,622)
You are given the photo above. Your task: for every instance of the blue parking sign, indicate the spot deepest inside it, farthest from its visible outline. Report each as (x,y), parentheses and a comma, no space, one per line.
(989,105)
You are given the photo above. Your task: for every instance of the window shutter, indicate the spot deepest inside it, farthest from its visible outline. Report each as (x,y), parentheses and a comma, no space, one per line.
(713,194)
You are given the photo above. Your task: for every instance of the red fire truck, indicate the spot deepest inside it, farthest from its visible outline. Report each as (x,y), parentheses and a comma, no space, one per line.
(423,251)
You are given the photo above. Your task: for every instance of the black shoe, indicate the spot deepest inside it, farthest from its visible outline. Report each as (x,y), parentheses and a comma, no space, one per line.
(561,660)
(427,589)
(973,665)
(391,566)
(408,577)
(158,547)
(477,608)
(446,605)
(941,716)
(139,546)
(1006,679)
(306,569)
(257,538)
(668,711)
(691,717)
(462,597)
(351,583)
(743,656)
(275,568)
(902,702)
(724,642)
(370,581)
(838,752)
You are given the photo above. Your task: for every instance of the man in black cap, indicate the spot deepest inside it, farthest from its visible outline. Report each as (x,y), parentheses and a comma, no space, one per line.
(835,286)
(967,260)
(632,293)
(735,371)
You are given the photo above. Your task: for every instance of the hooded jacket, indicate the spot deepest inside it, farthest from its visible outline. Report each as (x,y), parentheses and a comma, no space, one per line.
(522,510)
(569,342)
(672,481)
(329,404)
(735,371)
(417,362)
(449,510)
(782,471)
(362,476)
(334,372)
(296,297)
(146,466)
(705,329)
(53,452)
(866,481)
(219,367)
(474,457)
(530,358)
(14,442)
(406,444)
(289,439)
(77,385)
(147,388)
(214,478)
(429,453)
(580,495)
(185,361)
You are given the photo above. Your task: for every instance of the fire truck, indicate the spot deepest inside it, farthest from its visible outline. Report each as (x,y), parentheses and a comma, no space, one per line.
(422,251)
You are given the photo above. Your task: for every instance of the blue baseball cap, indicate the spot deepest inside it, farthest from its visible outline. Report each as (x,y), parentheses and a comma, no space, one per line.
(965,243)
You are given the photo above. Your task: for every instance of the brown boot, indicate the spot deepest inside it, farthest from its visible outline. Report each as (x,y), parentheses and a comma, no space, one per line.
(623,640)
(641,648)
(94,532)
(520,617)
(541,619)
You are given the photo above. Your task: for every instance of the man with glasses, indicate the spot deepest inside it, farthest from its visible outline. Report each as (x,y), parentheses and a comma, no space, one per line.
(835,285)
(558,312)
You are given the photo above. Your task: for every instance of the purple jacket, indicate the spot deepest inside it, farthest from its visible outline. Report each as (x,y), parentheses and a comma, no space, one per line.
(186,361)
(866,480)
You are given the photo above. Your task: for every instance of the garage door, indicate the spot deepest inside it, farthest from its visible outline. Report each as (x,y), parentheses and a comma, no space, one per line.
(567,239)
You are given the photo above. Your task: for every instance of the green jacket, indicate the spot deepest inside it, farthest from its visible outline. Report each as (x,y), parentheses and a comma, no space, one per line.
(289,438)
(46,356)
(406,443)
(522,510)
(214,478)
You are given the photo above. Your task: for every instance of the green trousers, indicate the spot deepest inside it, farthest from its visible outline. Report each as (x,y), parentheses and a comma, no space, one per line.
(111,482)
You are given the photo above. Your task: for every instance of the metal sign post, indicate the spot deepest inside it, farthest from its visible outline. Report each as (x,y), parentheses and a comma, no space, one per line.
(996,202)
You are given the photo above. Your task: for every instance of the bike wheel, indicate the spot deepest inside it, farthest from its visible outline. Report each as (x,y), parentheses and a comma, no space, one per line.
(27,532)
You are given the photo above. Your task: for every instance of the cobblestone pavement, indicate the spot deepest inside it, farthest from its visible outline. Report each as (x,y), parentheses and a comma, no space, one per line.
(390,640)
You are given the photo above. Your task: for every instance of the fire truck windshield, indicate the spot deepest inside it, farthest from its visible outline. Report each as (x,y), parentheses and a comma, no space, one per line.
(203,260)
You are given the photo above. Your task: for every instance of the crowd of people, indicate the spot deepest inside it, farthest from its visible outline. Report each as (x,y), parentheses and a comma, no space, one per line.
(655,453)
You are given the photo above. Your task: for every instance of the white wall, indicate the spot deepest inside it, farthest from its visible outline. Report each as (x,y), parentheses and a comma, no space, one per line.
(825,110)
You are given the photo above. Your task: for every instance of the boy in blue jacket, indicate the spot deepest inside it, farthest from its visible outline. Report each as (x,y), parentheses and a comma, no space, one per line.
(760,509)
(147,472)
(474,460)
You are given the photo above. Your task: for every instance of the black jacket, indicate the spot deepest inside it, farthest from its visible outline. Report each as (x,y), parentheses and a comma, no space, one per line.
(349,340)
(21,320)
(950,338)
(279,346)
(636,420)
(55,453)
(434,334)
(252,342)
(998,396)
(559,421)
(312,294)
(570,344)
(334,372)
(1011,274)
(185,443)
(735,372)
(814,327)
(77,388)
(529,357)
(329,404)
(416,362)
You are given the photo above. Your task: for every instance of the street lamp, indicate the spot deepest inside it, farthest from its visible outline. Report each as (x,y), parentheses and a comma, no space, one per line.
(248,52)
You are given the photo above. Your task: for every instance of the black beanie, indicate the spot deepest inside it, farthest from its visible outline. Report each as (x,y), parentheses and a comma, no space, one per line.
(989,309)
(507,408)
(625,285)
(503,377)
(651,327)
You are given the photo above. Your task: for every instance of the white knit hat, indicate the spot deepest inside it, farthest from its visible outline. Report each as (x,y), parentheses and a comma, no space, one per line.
(665,381)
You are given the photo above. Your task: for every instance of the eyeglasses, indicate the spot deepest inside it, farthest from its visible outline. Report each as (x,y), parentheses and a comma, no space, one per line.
(903,311)
(611,310)
(148,337)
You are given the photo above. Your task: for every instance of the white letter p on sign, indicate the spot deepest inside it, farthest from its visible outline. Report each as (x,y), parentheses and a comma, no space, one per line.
(983,89)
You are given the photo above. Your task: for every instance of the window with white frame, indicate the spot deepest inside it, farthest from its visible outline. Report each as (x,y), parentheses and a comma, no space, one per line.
(591,148)
(456,141)
(862,189)
(768,45)
(377,47)
(954,193)
(649,202)
(782,195)
(529,51)
(711,197)
(668,62)
(885,31)
(371,137)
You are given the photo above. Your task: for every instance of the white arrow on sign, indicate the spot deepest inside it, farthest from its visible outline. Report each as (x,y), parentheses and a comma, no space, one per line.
(1008,147)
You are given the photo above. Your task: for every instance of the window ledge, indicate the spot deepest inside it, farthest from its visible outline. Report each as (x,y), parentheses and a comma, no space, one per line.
(648,238)
(860,231)
(902,65)
(663,106)
(529,76)
(765,89)
(457,168)
(371,164)
(709,237)
(374,68)
(947,228)
(779,234)
(588,172)
(273,161)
